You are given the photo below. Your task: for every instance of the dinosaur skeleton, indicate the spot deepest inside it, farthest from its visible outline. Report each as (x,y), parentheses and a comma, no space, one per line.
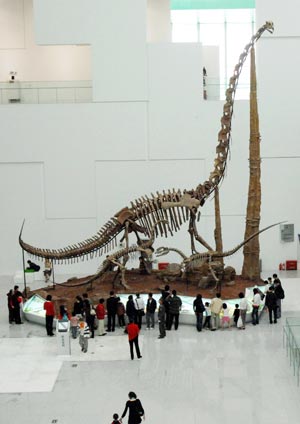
(169,208)
(192,261)
(186,264)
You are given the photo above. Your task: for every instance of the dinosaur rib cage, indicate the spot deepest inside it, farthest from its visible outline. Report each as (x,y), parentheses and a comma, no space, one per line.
(144,211)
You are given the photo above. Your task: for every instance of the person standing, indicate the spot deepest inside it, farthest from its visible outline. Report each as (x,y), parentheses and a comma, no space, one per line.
(166,295)
(78,306)
(174,309)
(74,321)
(89,314)
(50,313)
(236,314)
(150,311)
(136,410)
(207,316)
(198,309)
(17,299)
(130,309)
(133,339)
(84,334)
(111,307)
(271,303)
(255,306)
(121,313)
(279,292)
(216,307)
(161,315)
(243,309)
(140,309)
(100,313)
(10,306)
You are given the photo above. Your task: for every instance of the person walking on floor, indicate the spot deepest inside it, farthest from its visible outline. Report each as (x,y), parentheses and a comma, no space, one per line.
(161,315)
(136,410)
(50,313)
(116,419)
(133,339)
(150,311)
(198,309)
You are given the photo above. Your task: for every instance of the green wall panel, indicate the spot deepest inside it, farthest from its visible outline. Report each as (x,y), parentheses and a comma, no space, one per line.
(212,4)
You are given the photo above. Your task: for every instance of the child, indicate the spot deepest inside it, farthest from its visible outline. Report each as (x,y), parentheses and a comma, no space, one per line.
(74,325)
(121,313)
(207,315)
(236,314)
(225,317)
(84,334)
(116,419)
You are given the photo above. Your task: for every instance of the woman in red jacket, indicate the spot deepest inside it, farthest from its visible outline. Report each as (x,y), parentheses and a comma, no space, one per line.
(50,312)
(133,338)
(100,313)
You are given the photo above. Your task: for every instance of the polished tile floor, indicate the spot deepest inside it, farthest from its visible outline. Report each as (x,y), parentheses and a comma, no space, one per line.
(188,377)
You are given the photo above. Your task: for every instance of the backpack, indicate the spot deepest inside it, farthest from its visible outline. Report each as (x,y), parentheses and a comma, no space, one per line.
(279,292)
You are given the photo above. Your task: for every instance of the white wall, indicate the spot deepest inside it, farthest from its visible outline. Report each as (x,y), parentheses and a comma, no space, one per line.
(68,168)
(19,51)
(158,21)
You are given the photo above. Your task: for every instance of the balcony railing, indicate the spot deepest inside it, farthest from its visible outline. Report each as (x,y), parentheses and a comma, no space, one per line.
(46,92)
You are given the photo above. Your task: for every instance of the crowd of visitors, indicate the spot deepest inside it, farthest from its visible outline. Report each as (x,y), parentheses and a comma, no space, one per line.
(86,317)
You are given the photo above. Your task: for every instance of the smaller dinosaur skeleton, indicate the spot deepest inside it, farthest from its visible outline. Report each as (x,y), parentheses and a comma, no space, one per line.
(208,257)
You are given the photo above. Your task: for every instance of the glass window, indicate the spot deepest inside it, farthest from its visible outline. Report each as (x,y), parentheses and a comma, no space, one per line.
(228,29)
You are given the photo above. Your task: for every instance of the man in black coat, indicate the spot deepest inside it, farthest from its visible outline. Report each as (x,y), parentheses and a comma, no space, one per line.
(16,299)
(271,303)
(111,307)
(199,309)
(150,310)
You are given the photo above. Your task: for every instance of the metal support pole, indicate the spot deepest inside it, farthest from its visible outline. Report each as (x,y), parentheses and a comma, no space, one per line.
(24,274)
(53,282)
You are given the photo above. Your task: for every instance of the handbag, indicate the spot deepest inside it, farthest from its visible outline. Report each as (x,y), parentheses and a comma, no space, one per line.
(93,312)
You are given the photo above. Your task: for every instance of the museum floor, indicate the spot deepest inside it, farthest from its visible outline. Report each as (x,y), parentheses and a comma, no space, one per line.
(188,377)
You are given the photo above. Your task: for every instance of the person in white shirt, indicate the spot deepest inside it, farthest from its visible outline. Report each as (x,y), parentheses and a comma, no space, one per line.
(255,306)
(140,309)
(243,309)
(207,315)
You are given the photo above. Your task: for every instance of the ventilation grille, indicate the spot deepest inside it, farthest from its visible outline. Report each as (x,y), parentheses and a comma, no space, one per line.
(287,232)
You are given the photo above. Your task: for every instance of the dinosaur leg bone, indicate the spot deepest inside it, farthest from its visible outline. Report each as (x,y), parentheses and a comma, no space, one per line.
(194,233)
